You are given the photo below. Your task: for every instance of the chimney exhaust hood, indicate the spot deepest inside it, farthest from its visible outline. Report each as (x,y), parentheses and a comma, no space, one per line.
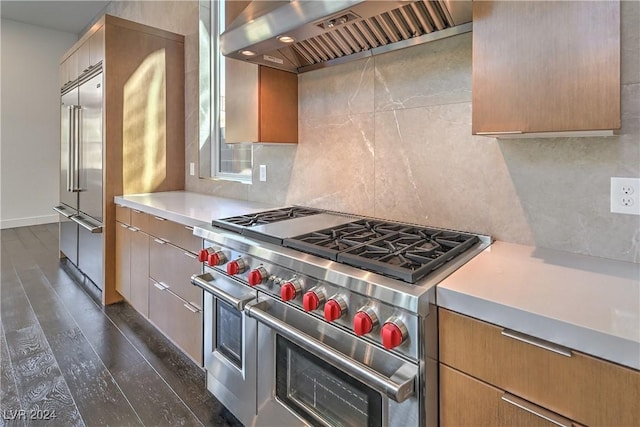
(304,35)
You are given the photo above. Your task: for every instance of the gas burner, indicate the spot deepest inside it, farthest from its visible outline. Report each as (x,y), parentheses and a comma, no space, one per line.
(237,223)
(400,251)
(329,242)
(408,255)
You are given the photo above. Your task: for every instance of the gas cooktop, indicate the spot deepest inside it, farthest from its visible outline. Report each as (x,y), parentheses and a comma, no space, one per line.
(401,251)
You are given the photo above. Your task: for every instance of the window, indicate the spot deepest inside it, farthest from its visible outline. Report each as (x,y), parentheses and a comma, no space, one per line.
(230,161)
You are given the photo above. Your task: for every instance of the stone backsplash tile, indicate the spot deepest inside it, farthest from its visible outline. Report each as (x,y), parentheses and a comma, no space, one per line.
(336,91)
(434,73)
(334,164)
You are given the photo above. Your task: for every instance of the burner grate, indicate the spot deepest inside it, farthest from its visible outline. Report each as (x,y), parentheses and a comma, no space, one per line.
(237,223)
(400,251)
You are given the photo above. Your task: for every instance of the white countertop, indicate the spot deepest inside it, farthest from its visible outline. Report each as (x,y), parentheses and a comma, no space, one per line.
(585,303)
(189,208)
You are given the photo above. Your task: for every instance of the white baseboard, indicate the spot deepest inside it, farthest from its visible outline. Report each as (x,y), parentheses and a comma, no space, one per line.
(25,222)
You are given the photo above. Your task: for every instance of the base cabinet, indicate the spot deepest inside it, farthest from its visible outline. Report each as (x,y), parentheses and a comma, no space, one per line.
(154,276)
(180,321)
(466,401)
(529,373)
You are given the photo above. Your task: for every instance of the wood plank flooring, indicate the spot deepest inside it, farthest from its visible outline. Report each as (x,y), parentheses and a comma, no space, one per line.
(67,361)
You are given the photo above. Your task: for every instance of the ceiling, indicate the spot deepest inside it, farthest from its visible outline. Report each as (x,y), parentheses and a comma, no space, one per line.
(67,16)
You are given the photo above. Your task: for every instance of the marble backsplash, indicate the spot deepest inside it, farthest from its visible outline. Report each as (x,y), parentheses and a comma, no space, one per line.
(390,136)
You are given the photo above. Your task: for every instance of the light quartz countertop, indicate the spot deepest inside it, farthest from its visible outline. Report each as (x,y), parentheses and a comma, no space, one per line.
(189,208)
(588,304)
(585,303)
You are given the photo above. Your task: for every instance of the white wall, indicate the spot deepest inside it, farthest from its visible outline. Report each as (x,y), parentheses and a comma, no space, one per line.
(29,118)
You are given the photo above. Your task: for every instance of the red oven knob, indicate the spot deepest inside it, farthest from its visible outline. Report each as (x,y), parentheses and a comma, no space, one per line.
(235,267)
(393,333)
(257,275)
(203,255)
(216,258)
(312,299)
(334,308)
(364,321)
(290,289)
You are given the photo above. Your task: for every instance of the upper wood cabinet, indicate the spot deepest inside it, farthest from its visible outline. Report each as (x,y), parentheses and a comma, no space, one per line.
(261,104)
(549,67)
(84,55)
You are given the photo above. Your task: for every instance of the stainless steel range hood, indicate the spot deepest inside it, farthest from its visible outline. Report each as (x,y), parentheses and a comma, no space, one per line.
(329,32)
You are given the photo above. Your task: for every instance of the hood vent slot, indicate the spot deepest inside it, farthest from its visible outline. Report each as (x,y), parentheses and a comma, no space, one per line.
(347,35)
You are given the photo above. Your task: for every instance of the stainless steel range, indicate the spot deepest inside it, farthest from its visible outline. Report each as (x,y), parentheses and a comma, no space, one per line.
(319,318)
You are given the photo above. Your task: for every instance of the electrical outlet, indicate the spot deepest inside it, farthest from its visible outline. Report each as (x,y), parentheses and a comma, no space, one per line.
(263,173)
(192,168)
(625,195)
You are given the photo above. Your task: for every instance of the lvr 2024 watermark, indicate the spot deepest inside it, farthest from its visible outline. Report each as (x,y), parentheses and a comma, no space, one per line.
(28,414)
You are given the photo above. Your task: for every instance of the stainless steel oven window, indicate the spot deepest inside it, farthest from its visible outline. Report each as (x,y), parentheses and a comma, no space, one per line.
(320,393)
(229,332)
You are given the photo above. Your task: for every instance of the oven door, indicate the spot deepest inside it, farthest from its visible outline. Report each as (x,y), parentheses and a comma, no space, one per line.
(313,373)
(229,343)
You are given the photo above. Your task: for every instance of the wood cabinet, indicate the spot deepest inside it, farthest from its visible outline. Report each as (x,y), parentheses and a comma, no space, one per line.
(261,103)
(143,119)
(546,68)
(547,377)
(153,273)
(466,401)
(87,53)
(132,263)
(177,319)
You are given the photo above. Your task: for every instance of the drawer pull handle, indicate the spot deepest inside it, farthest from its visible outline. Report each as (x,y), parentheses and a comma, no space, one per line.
(191,308)
(190,255)
(134,229)
(504,132)
(188,227)
(536,410)
(160,286)
(136,211)
(124,225)
(159,219)
(537,342)
(160,241)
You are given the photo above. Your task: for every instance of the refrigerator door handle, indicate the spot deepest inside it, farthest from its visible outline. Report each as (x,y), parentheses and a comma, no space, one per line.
(79,149)
(71,139)
(93,228)
(76,146)
(63,211)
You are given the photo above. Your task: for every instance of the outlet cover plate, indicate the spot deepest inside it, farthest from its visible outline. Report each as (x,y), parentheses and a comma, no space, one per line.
(263,173)
(625,195)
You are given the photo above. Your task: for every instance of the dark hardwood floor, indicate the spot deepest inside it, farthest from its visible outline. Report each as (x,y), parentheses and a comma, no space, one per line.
(67,361)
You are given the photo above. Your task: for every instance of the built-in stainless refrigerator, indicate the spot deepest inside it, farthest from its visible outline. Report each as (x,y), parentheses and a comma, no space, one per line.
(81,198)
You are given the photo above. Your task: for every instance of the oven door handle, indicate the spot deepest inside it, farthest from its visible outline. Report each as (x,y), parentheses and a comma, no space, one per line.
(205,281)
(399,387)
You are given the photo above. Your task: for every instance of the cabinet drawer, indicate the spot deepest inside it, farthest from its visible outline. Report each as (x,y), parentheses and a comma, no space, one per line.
(177,234)
(173,267)
(123,214)
(465,401)
(140,220)
(178,320)
(588,390)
